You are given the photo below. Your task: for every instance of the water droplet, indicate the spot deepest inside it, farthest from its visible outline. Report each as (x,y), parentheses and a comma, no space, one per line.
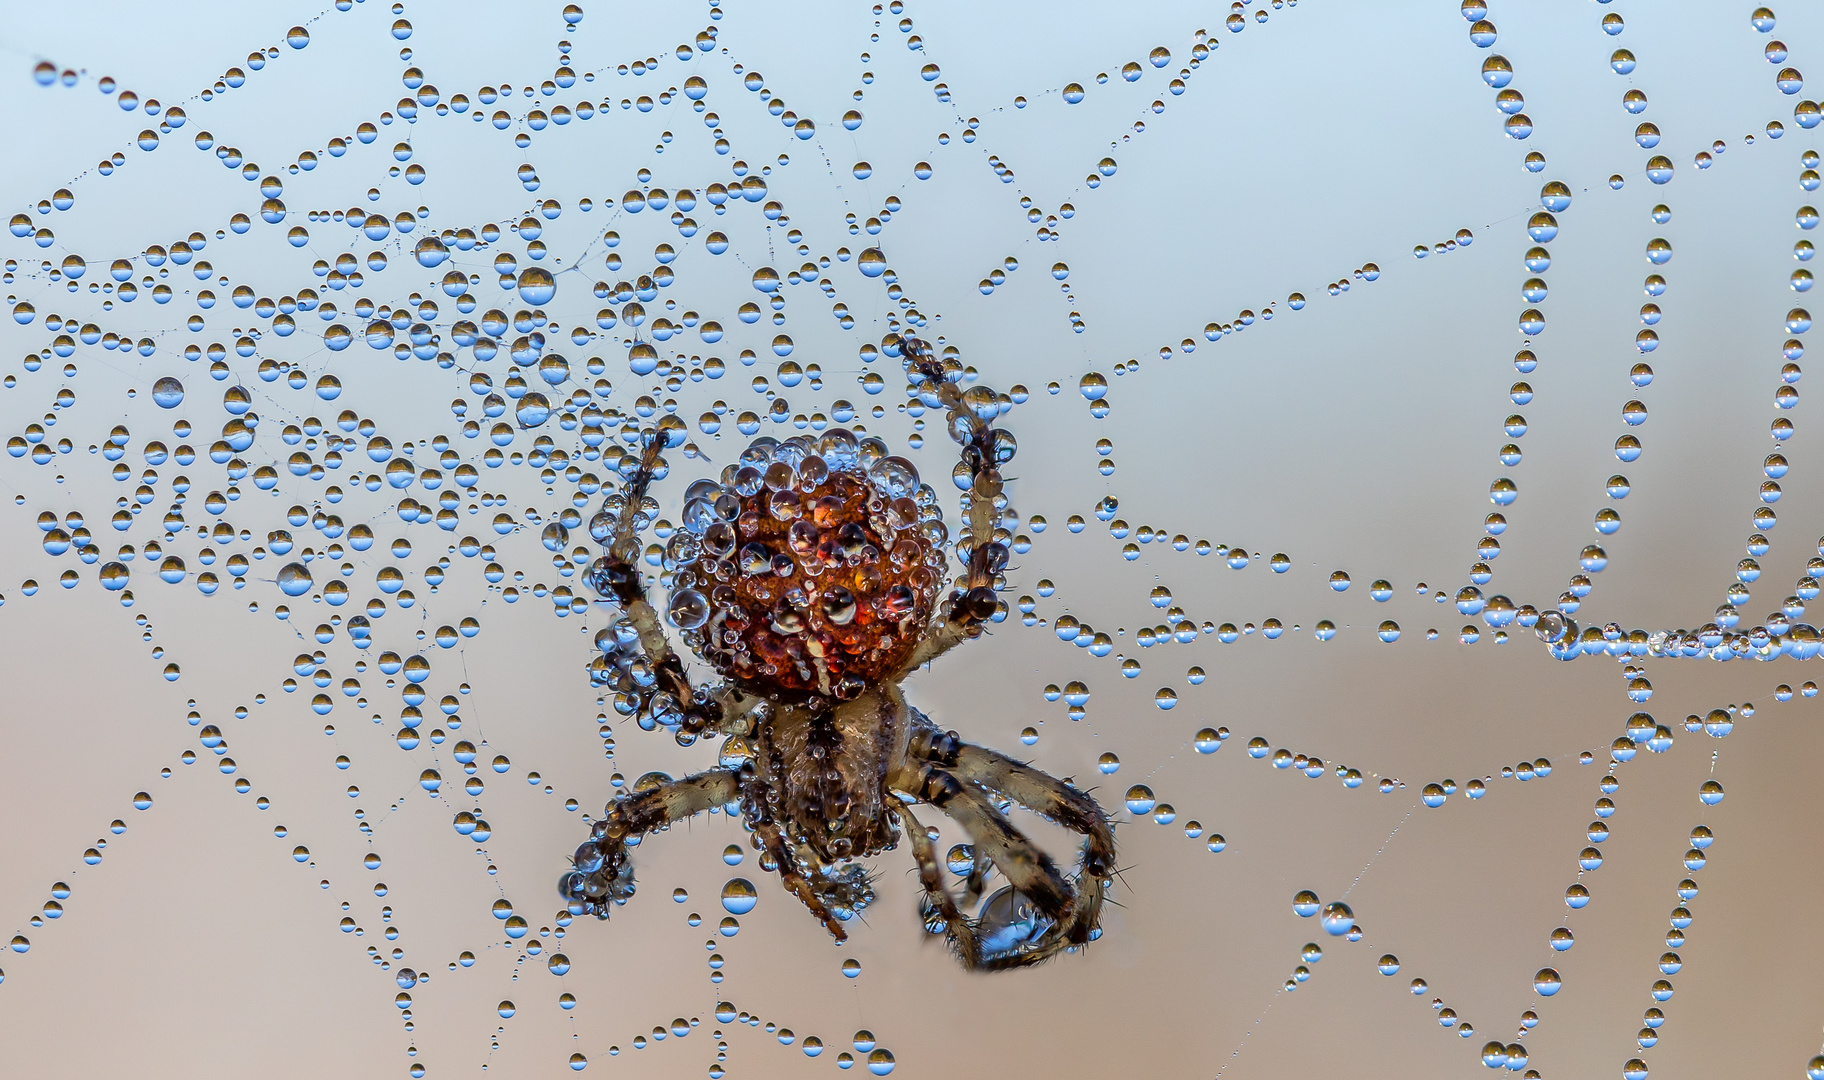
(536,285)
(168,392)
(739,896)
(294,579)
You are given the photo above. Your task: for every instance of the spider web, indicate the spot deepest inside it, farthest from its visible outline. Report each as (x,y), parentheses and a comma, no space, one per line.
(1247,278)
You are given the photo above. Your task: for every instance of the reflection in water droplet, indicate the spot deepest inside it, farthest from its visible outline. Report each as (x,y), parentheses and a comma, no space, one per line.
(739,896)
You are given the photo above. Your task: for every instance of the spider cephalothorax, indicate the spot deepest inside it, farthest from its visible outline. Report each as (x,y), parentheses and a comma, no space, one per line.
(809,578)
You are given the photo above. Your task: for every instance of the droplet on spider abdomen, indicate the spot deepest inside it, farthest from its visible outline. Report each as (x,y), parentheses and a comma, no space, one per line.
(1008,923)
(689,609)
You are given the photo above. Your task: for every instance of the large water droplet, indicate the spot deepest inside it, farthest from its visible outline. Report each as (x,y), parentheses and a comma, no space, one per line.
(168,392)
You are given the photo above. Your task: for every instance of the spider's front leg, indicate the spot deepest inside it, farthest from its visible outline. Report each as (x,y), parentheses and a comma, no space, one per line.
(984,450)
(940,911)
(1051,798)
(601,873)
(955,779)
(807,891)
(757,810)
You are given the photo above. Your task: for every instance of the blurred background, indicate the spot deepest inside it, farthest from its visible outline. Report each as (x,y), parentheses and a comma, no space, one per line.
(1253,280)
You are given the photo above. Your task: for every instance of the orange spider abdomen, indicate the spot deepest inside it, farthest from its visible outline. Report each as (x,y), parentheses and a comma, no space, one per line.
(813,576)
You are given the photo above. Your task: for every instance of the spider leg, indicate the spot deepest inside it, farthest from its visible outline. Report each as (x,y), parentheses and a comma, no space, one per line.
(978,766)
(1052,798)
(845,890)
(977,881)
(984,450)
(801,887)
(617,574)
(938,904)
(601,873)
(940,637)
(1042,793)
(1069,913)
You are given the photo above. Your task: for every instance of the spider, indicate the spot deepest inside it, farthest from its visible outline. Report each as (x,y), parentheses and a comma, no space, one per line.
(809,579)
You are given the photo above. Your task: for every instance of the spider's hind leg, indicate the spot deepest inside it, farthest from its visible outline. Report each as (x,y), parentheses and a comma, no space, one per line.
(601,873)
